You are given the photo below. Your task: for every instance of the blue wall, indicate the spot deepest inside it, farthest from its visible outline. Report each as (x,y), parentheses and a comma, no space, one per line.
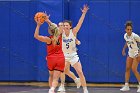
(23,58)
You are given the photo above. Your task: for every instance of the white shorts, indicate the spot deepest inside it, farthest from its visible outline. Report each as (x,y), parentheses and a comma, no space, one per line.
(72,58)
(134,54)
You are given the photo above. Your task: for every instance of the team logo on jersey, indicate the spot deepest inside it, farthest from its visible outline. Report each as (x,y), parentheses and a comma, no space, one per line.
(67,40)
(130,42)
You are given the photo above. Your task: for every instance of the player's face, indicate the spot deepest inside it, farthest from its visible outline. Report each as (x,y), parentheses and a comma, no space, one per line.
(128,30)
(61,26)
(67,26)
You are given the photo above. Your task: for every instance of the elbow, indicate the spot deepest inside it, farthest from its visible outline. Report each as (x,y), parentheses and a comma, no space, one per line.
(35,36)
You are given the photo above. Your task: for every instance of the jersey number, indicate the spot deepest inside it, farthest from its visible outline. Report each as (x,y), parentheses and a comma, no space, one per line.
(130,46)
(67,45)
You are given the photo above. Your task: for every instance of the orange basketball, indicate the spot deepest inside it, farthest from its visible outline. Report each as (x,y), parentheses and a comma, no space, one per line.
(41,16)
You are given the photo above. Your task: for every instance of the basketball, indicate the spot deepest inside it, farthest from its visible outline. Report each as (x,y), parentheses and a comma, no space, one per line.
(41,16)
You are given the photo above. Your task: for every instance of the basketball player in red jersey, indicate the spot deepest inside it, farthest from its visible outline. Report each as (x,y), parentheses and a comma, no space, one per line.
(55,57)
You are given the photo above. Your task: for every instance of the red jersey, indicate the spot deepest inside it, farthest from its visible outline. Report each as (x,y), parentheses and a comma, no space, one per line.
(55,57)
(55,49)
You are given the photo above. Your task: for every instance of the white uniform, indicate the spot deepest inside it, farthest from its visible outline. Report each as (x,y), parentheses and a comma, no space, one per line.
(69,48)
(132,43)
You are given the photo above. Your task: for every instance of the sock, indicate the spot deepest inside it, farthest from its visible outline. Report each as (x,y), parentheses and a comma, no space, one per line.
(75,79)
(52,88)
(126,84)
(62,84)
(84,88)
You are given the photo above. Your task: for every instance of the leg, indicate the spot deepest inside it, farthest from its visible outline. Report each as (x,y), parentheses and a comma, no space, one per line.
(62,78)
(50,78)
(138,58)
(72,75)
(135,71)
(78,67)
(68,72)
(129,62)
(56,75)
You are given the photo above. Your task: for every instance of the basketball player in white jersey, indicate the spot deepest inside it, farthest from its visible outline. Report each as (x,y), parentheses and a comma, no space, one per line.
(133,57)
(62,77)
(69,48)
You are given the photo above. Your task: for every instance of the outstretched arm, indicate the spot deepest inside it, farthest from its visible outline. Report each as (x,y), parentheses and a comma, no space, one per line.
(49,22)
(40,37)
(78,26)
(47,19)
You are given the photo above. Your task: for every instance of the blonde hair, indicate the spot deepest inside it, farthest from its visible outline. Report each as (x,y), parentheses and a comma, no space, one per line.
(54,31)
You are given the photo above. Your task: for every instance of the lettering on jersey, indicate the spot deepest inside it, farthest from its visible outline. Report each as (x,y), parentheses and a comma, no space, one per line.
(67,40)
(130,42)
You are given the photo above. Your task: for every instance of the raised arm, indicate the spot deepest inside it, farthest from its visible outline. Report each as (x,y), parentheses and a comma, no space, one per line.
(48,21)
(78,26)
(40,37)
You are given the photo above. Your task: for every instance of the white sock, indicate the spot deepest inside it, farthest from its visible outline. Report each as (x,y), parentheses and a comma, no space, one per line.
(126,84)
(84,88)
(62,85)
(75,79)
(52,88)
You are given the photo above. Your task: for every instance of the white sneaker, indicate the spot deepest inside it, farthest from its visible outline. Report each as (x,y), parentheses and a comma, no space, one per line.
(138,89)
(125,88)
(85,91)
(78,82)
(51,91)
(61,89)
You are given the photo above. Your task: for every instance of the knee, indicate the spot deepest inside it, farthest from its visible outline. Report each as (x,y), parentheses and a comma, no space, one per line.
(128,69)
(66,71)
(134,70)
(55,81)
(51,75)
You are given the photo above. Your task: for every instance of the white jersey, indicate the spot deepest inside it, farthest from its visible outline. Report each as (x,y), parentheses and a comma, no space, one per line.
(132,41)
(68,43)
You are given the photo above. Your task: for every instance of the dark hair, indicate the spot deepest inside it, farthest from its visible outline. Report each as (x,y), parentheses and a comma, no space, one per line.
(128,23)
(68,21)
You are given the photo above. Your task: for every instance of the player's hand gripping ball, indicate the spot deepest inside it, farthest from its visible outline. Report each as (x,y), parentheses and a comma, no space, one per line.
(40,16)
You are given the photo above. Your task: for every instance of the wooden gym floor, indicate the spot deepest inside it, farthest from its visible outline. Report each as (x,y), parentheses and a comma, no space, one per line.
(33,87)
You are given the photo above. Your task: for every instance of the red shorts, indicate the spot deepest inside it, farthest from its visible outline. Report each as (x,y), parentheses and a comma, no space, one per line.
(56,62)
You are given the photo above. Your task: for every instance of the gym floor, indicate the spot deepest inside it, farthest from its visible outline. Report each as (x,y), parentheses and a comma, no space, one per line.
(43,88)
